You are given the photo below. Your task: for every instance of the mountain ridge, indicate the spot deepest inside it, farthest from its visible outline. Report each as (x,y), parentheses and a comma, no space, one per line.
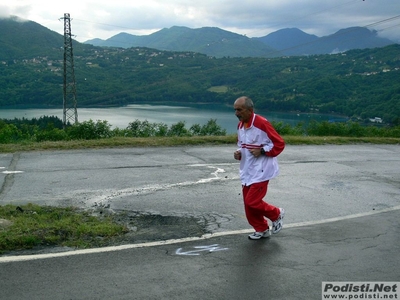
(214,41)
(359,83)
(24,38)
(211,41)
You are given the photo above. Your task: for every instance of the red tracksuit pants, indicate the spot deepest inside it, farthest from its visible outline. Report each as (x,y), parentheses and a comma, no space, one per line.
(256,208)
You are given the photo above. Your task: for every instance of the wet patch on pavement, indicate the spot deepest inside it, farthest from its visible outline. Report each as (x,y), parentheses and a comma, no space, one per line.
(144,227)
(141,227)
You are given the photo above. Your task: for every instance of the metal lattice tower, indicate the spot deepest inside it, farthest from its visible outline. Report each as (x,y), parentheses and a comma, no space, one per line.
(70,113)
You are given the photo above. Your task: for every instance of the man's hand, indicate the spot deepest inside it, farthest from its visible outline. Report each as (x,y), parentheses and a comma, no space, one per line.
(237,155)
(256,152)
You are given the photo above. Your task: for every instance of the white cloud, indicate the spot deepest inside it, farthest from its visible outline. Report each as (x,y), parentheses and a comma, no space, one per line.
(103,19)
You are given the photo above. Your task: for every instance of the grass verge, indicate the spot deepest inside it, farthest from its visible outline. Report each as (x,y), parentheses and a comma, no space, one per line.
(33,225)
(183,141)
(29,226)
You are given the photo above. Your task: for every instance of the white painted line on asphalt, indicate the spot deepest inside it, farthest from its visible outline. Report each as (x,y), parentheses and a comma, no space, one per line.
(107,195)
(12,172)
(330,220)
(18,258)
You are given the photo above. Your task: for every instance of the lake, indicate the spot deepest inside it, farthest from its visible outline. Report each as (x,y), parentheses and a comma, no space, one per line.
(121,116)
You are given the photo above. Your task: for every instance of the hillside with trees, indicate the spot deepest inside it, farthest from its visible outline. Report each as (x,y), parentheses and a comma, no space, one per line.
(361,84)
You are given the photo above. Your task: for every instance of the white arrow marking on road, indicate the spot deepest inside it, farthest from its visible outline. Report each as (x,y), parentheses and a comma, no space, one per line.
(15,258)
(211,248)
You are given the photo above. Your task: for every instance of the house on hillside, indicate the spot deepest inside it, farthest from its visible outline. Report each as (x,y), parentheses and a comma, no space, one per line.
(376,120)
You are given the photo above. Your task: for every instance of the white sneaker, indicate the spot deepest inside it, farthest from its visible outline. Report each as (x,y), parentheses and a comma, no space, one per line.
(258,235)
(278,224)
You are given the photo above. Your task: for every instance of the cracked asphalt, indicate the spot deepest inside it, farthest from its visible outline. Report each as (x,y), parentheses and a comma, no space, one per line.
(342,210)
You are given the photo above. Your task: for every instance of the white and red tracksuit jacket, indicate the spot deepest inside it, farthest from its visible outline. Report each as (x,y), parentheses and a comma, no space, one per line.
(259,134)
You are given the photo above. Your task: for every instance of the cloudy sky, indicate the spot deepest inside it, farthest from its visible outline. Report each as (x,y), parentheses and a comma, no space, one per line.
(254,18)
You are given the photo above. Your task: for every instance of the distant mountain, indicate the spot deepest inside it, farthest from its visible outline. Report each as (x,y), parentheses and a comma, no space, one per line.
(22,38)
(219,43)
(211,41)
(17,39)
(293,41)
(350,38)
(288,40)
(362,83)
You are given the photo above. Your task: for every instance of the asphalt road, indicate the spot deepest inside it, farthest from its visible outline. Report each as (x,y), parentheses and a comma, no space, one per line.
(342,210)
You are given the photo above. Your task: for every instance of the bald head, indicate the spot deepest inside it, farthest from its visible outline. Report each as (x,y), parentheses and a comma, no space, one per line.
(246,102)
(243,108)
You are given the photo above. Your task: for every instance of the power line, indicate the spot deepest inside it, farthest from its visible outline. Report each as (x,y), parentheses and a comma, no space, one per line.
(289,21)
(342,33)
(104,24)
(383,21)
(311,14)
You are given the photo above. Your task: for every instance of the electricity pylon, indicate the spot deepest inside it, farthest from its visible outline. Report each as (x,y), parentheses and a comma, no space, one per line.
(69,89)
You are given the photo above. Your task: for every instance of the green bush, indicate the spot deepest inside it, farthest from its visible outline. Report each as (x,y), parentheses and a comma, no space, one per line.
(350,129)
(178,129)
(16,131)
(145,129)
(54,134)
(9,133)
(89,130)
(195,129)
(212,128)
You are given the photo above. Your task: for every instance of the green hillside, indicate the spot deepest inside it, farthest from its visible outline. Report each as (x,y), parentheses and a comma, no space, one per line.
(359,83)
